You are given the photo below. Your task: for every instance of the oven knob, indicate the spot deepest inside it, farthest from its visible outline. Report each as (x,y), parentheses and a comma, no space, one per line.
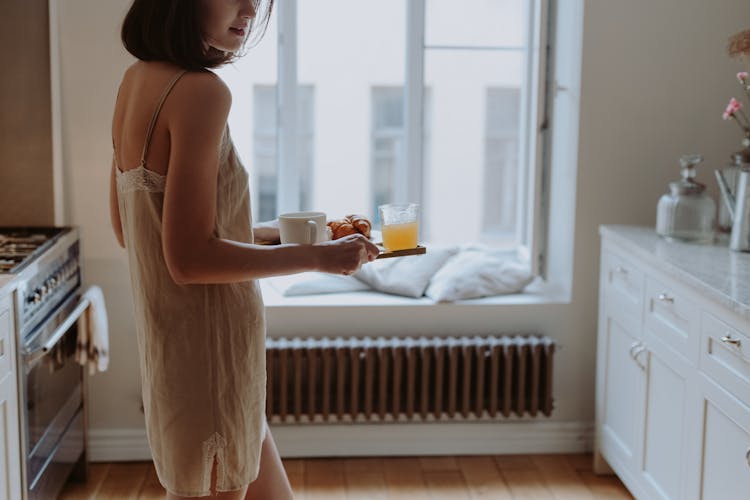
(37,296)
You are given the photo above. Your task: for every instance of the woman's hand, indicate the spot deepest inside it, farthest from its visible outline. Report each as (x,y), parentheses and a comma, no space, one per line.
(267,233)
(345,255)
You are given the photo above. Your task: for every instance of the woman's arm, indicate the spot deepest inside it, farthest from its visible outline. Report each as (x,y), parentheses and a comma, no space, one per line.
(197,117)
(114,208)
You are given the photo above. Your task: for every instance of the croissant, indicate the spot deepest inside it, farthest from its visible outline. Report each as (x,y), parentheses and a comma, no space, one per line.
(341,228)
(360,223)
(351,224)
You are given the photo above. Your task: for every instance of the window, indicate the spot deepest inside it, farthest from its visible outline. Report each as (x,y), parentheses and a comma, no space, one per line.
(387,146)
(387,142)
(500,178)
(265,141)
(469,152)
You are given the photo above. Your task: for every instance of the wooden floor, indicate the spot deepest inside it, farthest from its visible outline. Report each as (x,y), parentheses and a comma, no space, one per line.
(413,478)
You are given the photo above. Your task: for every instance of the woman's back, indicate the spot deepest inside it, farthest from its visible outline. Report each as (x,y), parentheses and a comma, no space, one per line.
(140,91)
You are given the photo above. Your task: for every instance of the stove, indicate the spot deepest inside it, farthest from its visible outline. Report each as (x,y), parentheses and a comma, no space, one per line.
(19,246)
(45,259)
(48,302)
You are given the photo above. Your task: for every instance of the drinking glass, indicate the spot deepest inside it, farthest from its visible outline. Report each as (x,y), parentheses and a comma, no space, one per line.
(399,225)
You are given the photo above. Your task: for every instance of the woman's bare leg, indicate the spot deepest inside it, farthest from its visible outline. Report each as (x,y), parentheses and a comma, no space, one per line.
(223,495)
(272,482)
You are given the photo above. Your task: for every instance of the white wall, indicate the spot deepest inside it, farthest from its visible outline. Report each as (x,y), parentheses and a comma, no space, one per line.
(655,80)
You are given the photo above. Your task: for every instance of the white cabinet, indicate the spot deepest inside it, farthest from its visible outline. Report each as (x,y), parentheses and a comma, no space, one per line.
(10,451)
(662,465)
(620,382)
(673,383)
(623,395)
(725,467)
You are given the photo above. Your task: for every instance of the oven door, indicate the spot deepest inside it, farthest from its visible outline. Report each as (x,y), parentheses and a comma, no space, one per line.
(53,401)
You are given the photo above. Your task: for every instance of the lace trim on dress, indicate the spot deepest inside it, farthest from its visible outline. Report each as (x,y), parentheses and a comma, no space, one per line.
(140,179)
(213,447)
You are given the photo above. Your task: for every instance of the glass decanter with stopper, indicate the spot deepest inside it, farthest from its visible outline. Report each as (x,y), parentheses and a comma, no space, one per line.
(687,212)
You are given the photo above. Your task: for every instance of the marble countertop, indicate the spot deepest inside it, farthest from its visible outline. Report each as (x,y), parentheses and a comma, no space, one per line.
(720,273)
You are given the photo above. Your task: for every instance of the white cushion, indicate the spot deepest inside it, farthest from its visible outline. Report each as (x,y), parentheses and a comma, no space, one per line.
(311,283)
(478,272)
(408,276)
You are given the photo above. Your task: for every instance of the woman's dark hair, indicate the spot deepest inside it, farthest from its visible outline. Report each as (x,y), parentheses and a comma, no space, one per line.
(170,31)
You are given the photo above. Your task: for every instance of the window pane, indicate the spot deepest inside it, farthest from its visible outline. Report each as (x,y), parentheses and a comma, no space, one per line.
(501,183)
(484,23)
(265,137)
(457,172)
(387,139)
(256,72)
(345,49)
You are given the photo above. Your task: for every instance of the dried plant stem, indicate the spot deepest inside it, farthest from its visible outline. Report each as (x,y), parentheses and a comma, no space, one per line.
(746,125)
(744,128)
(739,44)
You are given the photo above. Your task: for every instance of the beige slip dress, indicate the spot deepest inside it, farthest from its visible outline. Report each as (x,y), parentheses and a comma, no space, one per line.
(201,347)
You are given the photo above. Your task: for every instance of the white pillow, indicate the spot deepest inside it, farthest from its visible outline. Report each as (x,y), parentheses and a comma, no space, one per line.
(477,272)
(312,283)
(408,275)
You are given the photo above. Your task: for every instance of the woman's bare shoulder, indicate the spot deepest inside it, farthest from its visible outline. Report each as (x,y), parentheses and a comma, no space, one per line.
(198,104)
(200,88)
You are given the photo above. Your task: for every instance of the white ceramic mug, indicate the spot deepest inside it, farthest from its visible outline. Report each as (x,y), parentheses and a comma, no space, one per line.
(304,228)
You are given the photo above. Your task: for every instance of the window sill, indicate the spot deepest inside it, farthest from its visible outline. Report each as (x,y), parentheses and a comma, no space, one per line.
(536,293)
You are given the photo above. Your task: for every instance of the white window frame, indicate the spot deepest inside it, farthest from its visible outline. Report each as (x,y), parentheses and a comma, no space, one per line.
(409,181)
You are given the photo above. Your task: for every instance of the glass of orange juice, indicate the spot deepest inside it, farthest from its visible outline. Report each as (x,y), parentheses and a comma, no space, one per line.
(399,225)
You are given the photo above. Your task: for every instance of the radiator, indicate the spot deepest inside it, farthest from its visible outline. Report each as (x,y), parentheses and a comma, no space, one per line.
(407,378)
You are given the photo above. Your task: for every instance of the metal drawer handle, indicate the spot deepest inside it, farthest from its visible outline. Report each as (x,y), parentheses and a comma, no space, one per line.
(727,339)
(638,361)
(621,270)
(666,298)
(747,456)
(633,348)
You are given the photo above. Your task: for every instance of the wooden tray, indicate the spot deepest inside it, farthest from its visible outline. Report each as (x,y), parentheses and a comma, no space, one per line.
(385,254)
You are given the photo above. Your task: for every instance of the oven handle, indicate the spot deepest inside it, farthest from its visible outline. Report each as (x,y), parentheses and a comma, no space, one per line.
(31,357)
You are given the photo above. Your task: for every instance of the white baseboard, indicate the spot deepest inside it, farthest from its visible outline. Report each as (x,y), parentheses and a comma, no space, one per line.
(349,440)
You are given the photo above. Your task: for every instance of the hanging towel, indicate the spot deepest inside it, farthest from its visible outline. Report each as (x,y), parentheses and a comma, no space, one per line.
(93,333)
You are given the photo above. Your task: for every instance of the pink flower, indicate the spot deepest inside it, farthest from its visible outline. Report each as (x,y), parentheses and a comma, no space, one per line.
(733,106)
(742,76)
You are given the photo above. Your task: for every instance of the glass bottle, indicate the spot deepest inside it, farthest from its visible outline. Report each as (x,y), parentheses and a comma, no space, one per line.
(687,212)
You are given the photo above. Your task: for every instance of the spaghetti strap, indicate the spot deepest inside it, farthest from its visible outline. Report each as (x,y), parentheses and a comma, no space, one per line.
(152,123)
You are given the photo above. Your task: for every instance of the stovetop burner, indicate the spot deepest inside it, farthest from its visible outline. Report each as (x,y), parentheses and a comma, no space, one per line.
(21,245)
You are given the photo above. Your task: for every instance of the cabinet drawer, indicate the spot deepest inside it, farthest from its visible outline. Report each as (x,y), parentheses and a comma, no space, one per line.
(623,288)
(672,318)
(725,356)
(6,330)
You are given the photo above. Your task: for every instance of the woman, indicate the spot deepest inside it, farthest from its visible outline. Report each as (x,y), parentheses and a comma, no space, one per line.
(180,206)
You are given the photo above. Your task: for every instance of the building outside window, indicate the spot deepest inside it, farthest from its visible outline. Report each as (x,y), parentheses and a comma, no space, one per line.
(387,152)
(501,144)
(265,141)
